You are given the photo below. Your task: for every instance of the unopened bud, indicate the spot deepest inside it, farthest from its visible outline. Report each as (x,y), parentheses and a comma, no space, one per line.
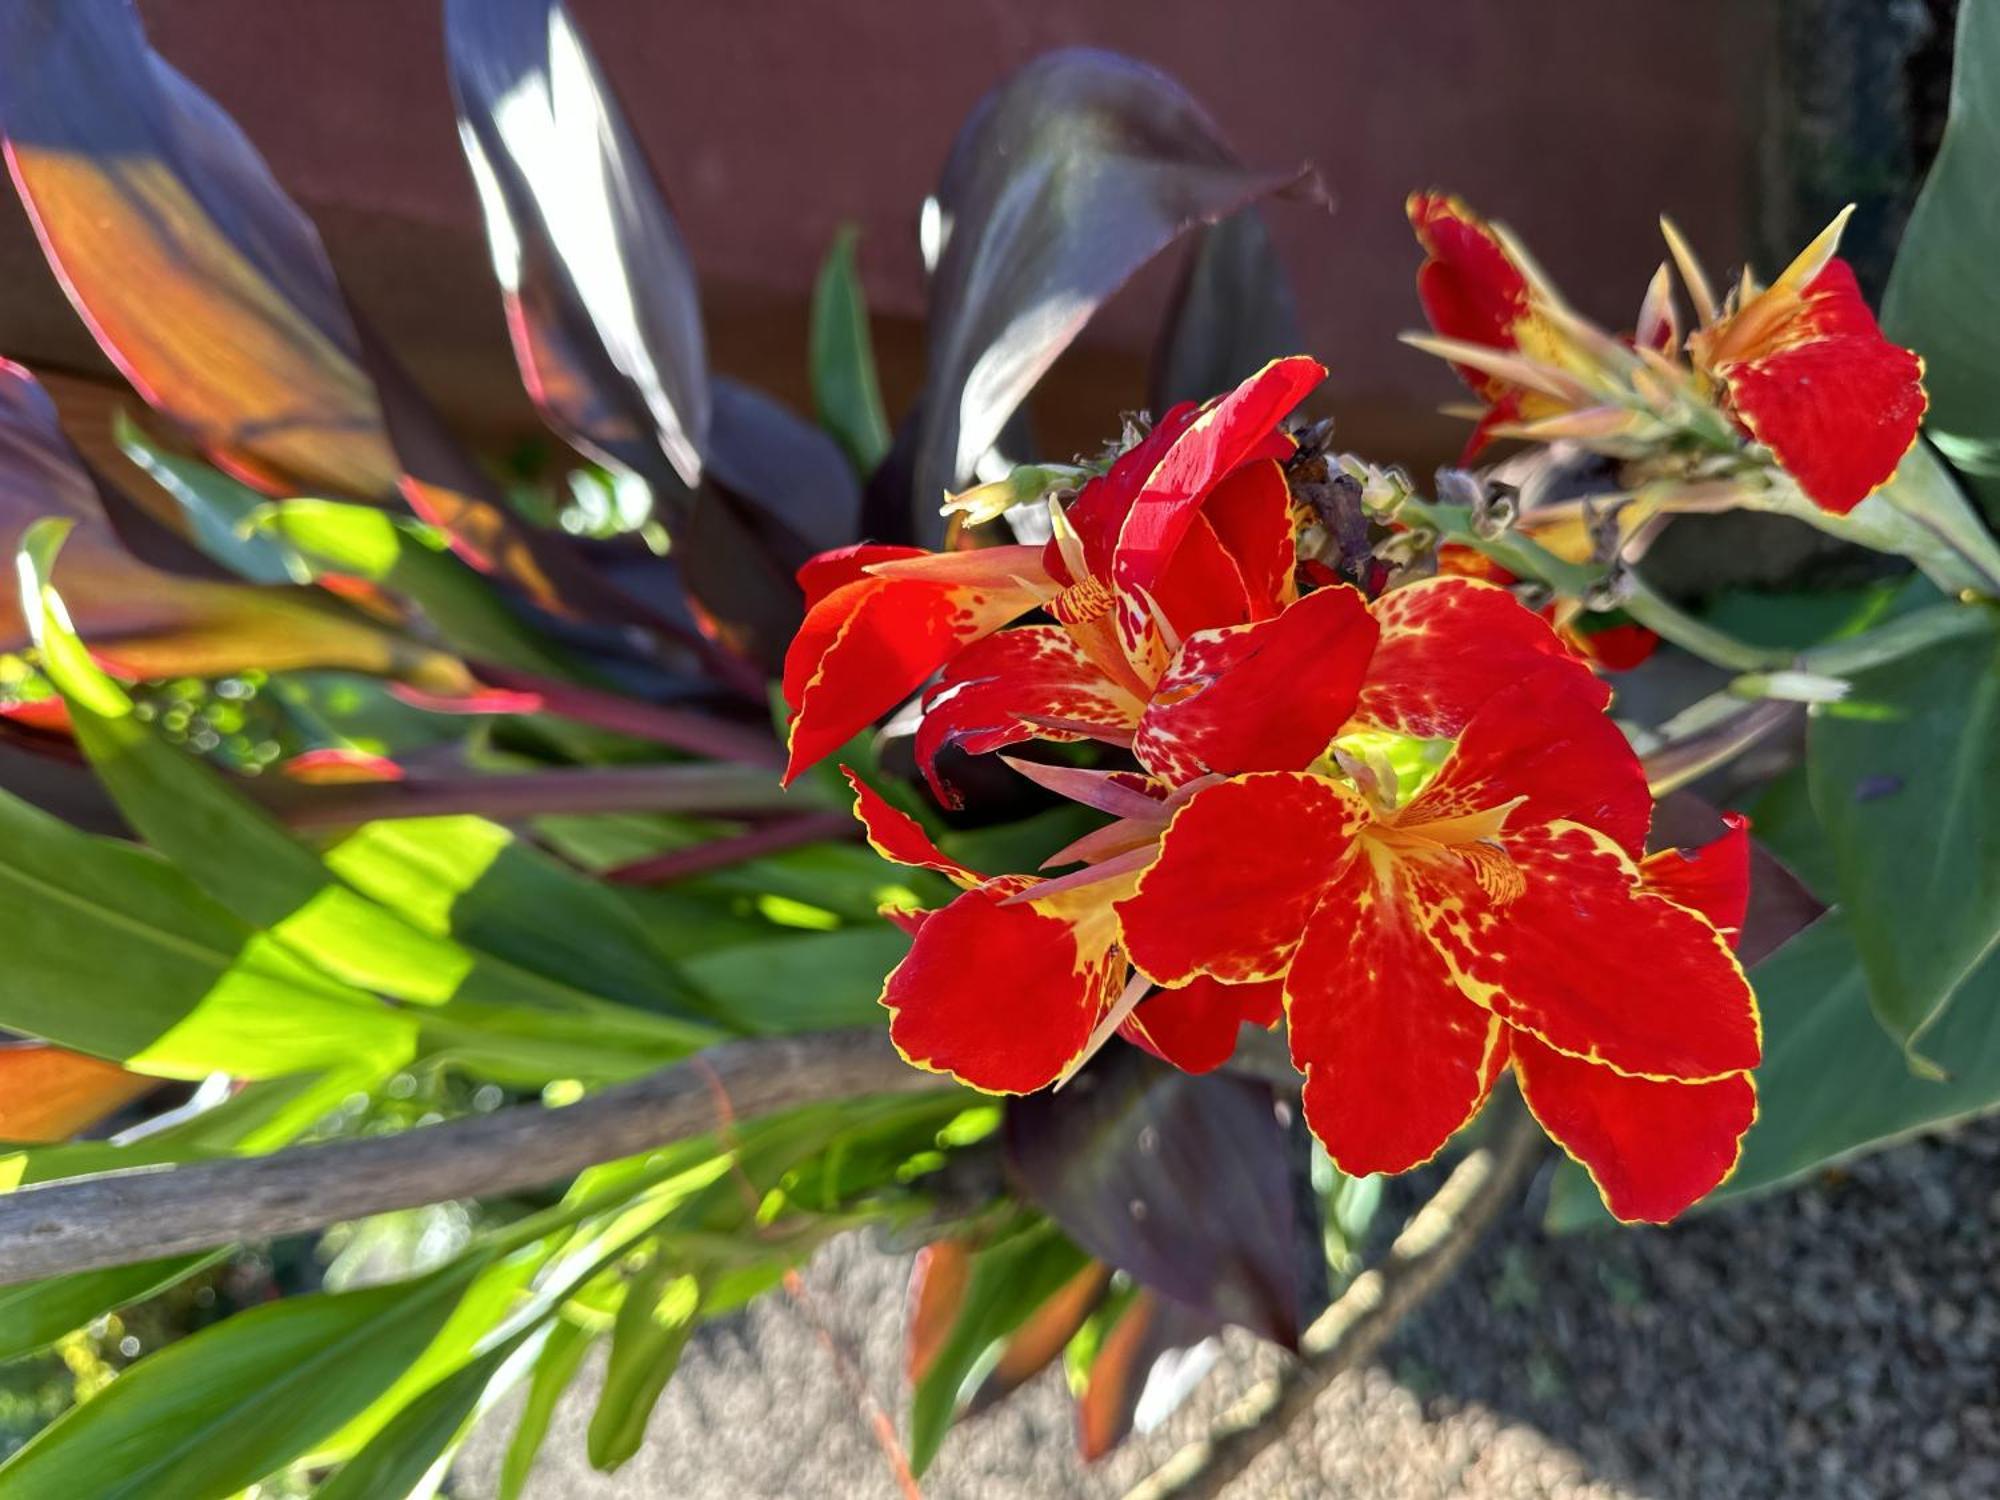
(1027,485)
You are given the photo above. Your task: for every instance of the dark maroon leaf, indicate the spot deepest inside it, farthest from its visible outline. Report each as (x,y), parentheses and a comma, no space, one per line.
(601,299)
(207,286)
(1182,1182)
(793,473)
(1232,314)
(1149,1363)
(1063,181)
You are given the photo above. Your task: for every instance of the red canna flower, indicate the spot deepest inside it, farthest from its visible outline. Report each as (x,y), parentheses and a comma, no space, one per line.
(1501,915)
(1188,530)
(1800,366)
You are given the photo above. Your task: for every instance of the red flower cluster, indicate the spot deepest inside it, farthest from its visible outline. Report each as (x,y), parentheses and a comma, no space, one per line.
(1799,366)
(1407,824)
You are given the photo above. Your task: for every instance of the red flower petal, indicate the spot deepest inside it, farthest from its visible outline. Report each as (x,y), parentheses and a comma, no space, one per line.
(1240,869)
(1202,588)
(1653,1148)
(1544,738)
(1449,644)
(1100,510)
(821,575)
(1194,1027)
(1713,879)
(1396,1058)
(1251,512)
(1003,998)
(1231,431)
(896,836)
(994,693)
(1264,697)
(1470,287)
(869,644)
(1586,959)
(1834,401)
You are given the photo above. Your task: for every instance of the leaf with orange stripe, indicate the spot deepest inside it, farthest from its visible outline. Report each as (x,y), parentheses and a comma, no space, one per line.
(48,1094)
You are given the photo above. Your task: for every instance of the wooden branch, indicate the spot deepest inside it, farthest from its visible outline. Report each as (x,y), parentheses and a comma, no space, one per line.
(119,1217)
(1431,1246)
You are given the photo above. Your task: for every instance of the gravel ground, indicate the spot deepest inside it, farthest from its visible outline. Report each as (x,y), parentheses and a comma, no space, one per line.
(1837,1341)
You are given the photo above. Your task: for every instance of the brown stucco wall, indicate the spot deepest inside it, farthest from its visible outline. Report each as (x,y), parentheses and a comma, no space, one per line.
(1577,120)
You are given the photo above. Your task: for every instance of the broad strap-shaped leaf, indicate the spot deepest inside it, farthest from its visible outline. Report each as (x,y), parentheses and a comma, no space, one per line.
(212,1414)
(1148,1363)
(35,1314)
(1943,299)
(209,288)
(846,397)
(1063,182)
(1181,1182)
(600,295)
(1905,777)
(1232,314)
(178,987)
(49,1094)
(147,623)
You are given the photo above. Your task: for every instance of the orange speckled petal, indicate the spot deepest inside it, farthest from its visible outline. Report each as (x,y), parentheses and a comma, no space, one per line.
(1240,869)
(1653,1148)
(1194,1027)
(1713,879)
(1544,738)
(1449,644)
(1264,697)
(1395,1057)
(1001,690)
(1251,512)
(1586,959)
(1004,998)
(895,835)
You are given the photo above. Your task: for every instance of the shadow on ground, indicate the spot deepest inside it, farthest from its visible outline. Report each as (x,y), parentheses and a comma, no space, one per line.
(1839,1340)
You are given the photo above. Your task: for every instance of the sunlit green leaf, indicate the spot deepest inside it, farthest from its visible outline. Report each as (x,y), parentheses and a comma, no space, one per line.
(651,1330)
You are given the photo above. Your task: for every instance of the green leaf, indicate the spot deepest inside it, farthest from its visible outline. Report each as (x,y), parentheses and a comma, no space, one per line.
(35,1314)
(846,398)
(1008,1282)
(471,879)
(556,1366)
(1905,778)
(808,982)
(177,986)
(413,560)
(647,1337)
(218,508)
(414,1446)
(1831,1085)
(218,1411)
(1943,298)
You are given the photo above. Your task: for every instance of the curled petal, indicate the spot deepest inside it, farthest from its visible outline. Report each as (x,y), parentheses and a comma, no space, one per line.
(1240,869)
(1007,688)
(1194,1027)
(869,644)
(1652,1147)
(1395,1058)
(1469,285)
(1202,587)
(1004,997)
(1579,954)
(1834,401)
(1233,430)
(1261,697)
(1713,879)
(1100,509)
(821,575)
(1545,745)
(1251,512)
(1449,644)
(895,835)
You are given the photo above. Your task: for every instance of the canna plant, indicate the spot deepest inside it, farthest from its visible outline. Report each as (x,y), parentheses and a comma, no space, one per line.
(468,850)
